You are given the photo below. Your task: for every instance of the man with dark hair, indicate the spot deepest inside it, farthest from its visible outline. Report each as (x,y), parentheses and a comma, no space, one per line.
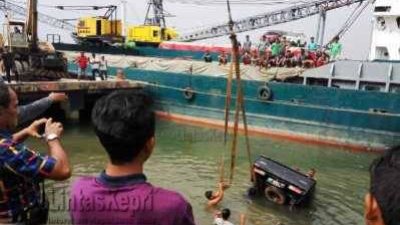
(23,169)
(382,203)
(222,217)
(216,197)
(124,122)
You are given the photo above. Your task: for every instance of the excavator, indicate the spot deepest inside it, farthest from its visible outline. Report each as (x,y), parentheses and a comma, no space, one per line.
(34,60)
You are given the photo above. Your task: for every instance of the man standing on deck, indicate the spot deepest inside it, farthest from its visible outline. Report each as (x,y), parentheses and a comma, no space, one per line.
(247,45)
(312,46)
(276,48)
(82,62)
(262,45)
(95,65)
(124,122)
(22,169)
(335,49)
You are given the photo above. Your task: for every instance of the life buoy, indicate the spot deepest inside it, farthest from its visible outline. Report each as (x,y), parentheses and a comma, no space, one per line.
(264,93)
(188,93)
(273,194)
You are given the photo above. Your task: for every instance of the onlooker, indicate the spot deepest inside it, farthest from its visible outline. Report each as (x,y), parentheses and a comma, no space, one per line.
(207,57)
(246,58)
(82,62)
(31,111)
(222,58)
(276,48)
(222,217)
(103,68)
(312,46)
(308,59)
(95,65)
(120,76)
(382,203)
(262,45)
(322,60)
(254,58)
(247,44)
(9,64)
(22,169)
(124,122)
(335,49)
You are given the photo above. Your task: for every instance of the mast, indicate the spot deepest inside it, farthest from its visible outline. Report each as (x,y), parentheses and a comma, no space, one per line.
(158,18)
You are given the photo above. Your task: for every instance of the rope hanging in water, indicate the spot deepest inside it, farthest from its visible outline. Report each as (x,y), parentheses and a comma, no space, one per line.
(222,170)
(228,101)
(240,107)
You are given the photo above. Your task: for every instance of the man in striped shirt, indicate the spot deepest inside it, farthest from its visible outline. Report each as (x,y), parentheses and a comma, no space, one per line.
(22,169)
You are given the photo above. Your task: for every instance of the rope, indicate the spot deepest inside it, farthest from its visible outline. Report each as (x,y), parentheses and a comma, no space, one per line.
(221,170)
(228,100)
(239,100)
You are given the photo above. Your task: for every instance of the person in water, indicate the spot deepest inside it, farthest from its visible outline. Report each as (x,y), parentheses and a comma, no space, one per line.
(222,217)
(311,173)
(216,197)
(382,202)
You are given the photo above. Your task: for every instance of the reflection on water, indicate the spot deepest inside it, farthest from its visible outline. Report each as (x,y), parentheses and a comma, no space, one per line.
(186,160)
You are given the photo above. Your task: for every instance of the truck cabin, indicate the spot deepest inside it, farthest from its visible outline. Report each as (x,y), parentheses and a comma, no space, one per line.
(15,34)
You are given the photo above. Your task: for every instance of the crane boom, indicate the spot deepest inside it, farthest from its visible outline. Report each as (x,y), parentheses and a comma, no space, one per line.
(49,20)
(268,19)
(111,9)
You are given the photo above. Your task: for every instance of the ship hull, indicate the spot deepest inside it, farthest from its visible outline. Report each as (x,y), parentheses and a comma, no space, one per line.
(361,120)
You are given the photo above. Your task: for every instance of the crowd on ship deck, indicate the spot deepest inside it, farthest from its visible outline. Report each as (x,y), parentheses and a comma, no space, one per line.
(279,51)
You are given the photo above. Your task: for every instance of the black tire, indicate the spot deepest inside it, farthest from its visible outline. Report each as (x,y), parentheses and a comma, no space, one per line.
(188,93)
(275,195)
(264,93)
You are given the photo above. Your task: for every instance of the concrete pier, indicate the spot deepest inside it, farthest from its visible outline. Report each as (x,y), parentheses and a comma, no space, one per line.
(70,85)
(81,94)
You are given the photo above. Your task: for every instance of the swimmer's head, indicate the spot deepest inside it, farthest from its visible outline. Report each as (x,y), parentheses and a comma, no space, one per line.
(226,213)
(208,194)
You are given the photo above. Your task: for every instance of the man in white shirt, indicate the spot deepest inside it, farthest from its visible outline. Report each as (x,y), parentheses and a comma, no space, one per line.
(221,218)
(95,64)
(103,68)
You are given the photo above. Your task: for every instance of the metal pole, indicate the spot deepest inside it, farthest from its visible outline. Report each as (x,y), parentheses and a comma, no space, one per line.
(323,17)
(123,17)
(318,28)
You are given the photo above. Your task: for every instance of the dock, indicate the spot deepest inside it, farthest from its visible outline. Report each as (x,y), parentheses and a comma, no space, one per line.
(72,85)
(81,94)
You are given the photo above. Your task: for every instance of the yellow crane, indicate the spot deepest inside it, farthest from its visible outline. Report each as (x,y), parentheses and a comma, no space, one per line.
(154,29)
(97,29)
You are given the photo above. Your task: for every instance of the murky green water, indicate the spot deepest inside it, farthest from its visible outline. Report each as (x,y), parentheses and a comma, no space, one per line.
(186,160)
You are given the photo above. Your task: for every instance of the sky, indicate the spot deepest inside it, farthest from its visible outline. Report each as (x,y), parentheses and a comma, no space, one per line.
(188,17)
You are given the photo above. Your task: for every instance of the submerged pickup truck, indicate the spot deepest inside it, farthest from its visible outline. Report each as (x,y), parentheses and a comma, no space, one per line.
(281,184)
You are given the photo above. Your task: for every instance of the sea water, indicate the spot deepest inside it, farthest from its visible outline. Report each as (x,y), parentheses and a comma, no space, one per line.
(186,159)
